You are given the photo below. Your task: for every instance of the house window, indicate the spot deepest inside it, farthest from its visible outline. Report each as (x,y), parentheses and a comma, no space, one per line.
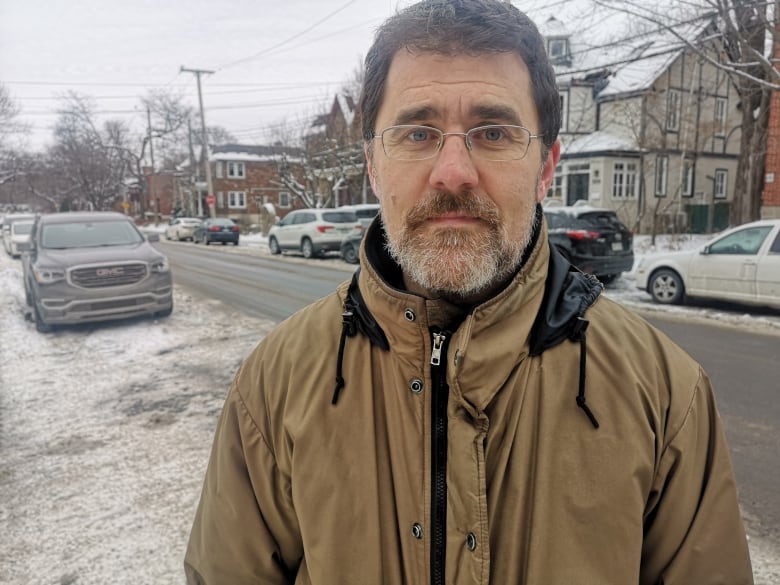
(218,168)
(720,116)
(284,199)
(673,110)
(557,48)
(236,170)
(556,188)
(721,183)
(661,175)
(220,199)
(236,200)
(564,96)
(624,180)
(687,186)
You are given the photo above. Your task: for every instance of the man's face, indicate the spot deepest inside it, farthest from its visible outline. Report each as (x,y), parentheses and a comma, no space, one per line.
(458,224)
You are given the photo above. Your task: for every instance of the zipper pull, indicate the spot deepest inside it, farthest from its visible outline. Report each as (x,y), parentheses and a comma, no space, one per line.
(438,343)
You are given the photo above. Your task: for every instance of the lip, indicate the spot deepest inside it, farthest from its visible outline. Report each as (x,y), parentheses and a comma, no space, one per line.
(454,219)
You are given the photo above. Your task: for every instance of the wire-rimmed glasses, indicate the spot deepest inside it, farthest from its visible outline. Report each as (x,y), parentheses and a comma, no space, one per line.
(497,142)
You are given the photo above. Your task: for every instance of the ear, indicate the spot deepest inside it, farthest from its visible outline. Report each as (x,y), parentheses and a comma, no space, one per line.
(548,171)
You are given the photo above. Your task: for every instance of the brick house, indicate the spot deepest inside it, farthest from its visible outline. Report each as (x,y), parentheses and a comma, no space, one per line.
(770,208)
(649,129)
(245,183)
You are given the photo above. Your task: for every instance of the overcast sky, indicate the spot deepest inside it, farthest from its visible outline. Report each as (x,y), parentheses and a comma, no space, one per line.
(273,60)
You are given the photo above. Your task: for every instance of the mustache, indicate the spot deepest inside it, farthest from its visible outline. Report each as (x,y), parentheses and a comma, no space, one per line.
(465,203)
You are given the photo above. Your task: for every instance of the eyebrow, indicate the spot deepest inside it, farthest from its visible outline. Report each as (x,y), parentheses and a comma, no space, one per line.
(503,114)
(416,114)
(492,113)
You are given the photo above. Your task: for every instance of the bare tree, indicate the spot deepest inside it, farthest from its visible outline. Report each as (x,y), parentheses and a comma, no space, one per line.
(90,158)
(9,127)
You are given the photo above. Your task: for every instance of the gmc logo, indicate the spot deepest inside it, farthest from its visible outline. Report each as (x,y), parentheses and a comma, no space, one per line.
(104,272)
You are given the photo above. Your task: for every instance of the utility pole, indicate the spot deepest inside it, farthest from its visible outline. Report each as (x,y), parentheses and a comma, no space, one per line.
(154,200)
(195,175)
(210,199)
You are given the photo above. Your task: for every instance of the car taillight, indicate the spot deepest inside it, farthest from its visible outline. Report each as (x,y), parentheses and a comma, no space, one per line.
(324,228)
(582,234)
(235,228)
(214,228)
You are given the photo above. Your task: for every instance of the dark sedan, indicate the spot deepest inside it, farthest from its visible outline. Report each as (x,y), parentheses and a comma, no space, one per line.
(217,229)
(592,239)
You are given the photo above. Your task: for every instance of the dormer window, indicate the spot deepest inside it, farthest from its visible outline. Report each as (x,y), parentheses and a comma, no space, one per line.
(557,41)
(558,49)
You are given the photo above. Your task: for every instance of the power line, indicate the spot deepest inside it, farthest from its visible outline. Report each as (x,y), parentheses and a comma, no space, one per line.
(284,42)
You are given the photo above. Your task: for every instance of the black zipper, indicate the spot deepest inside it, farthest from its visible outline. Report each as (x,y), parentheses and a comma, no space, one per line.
(439,456)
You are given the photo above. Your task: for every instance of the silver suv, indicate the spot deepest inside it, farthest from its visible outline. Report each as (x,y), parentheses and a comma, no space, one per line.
(312,231)
(93,266)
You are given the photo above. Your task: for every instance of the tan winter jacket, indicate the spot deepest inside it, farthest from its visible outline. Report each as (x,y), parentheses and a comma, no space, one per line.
(535,453)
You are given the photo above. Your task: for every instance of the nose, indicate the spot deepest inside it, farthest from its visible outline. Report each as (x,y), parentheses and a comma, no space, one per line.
(453,168)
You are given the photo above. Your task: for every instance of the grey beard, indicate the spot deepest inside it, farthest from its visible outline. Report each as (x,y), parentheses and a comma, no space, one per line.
(454,263)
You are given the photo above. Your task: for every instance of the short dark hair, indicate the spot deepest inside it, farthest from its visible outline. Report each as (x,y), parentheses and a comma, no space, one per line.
(452,27)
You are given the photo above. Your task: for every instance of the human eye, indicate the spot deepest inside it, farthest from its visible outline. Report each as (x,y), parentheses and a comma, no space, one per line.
(491,135)
(419,134)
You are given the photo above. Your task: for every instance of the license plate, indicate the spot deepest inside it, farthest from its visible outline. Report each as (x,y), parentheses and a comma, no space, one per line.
(617,246)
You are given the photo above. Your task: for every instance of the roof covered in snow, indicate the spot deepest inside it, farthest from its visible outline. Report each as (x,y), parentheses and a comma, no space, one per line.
(597,142)
(628,52)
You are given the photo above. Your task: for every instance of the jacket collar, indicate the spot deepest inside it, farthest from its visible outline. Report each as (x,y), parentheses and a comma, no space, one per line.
(542,306)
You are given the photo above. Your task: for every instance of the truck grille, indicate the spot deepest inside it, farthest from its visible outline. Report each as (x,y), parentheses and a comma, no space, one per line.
(108,275)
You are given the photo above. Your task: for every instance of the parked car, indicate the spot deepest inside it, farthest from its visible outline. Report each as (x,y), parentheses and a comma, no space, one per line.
(93,266)
(181,228)
(216,229)
(20,232)
(8,220)
(350,246)
(365,212)
(740,265)
(592,239)
(312,231)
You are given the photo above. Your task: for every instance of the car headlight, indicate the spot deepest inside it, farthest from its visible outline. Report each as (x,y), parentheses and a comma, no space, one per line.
(48,275)
(161,265)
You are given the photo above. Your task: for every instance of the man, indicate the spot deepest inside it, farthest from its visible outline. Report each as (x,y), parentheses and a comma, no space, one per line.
(445,417)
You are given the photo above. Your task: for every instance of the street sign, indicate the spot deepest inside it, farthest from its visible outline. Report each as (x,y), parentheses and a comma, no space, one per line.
(211,200)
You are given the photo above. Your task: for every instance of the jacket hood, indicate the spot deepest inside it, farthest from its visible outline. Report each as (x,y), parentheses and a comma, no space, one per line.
(567,294)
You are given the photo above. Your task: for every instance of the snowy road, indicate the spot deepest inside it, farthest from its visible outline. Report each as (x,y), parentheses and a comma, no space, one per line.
(104,438)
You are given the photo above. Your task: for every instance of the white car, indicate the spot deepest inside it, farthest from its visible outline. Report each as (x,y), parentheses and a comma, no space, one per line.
(366,212)
(8,220)
(312,232)
(740,265)
(20,232)
(181,228)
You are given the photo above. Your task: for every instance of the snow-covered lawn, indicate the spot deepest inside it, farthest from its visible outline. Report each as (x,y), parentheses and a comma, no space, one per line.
(105,433)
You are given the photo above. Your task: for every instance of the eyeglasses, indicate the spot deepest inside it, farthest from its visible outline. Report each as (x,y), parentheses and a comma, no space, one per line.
(498,142)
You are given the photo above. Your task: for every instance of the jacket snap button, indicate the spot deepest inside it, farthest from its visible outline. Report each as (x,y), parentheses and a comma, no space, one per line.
(409,314)
(417,531)
(416,385)
(471,541)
